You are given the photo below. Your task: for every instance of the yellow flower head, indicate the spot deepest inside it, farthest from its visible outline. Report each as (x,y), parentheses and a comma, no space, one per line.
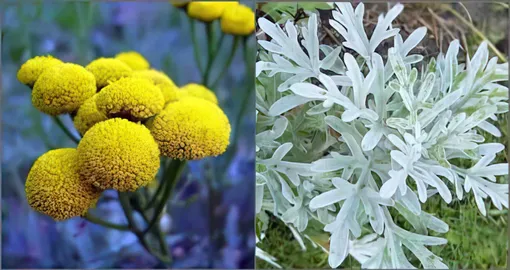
(53,186)
(118,154)
(191,128)
(34,67)
(156,76)
(131,98)
(179,3)
(170,92)
(161,80)
(199,91)
(134,60)
(88,115)
(238,20)
(208,11)
(108,70)
(63,88)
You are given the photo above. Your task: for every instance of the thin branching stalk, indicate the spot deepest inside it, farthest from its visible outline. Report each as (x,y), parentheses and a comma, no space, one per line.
(161,186)
(209,28)
(229,60)
(66,130)
(213,58)
(245,100)
(176,167)
(96,220)
(196,45)
(157,229)
(128,211)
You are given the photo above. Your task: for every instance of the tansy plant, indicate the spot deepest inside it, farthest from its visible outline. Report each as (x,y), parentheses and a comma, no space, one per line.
(351,137)
(138,130)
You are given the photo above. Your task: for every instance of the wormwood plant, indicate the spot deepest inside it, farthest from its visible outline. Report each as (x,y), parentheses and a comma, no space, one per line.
(350,137)
(138,129)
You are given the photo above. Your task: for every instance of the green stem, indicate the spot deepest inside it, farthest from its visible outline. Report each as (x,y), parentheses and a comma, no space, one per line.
(231,153)
(244,105)
(176,168)
(84,15)
(196,48)
(128,212)
(138,202)
(66,130)
(155,197)
(162,242)
(212,59)
(210,51)
(227,63)
(249,60)
(219,44)
(96,220)
(160,235)
(161,187)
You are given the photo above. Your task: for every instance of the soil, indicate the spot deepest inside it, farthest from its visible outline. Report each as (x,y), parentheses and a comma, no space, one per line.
(443,27)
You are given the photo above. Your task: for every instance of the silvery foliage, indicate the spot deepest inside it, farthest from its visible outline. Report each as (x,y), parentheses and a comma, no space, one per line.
(343,138)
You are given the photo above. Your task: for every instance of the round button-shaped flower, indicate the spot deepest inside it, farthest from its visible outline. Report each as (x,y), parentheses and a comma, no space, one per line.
(53,186)
(134,60)
(170,92)
(161,80)
(88,115)
(156,76)
(238,20)
(118,154)
(191,128)
(199,91)
(108,70)
(30,71)
(63,89)
(131,98)
(208,11)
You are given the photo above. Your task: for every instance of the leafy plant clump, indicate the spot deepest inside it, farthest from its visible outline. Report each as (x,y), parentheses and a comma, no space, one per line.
(350,138)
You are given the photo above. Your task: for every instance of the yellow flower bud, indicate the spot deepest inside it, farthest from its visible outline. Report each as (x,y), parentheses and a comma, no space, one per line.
(199,91)
(53,186)
(170,92)
(118,154)
(88,115)
(208,11)
(134,60)
(63,88)
(131,98)
(238,20)
(162,81)
(156,76)
(34,67)
(108,70)
(191,128)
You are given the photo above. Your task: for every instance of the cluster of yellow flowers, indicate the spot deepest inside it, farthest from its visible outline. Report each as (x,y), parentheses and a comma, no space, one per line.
(236,19)
(129,115)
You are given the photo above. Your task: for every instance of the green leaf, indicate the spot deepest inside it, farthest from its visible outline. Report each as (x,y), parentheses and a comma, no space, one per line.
(276,10)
